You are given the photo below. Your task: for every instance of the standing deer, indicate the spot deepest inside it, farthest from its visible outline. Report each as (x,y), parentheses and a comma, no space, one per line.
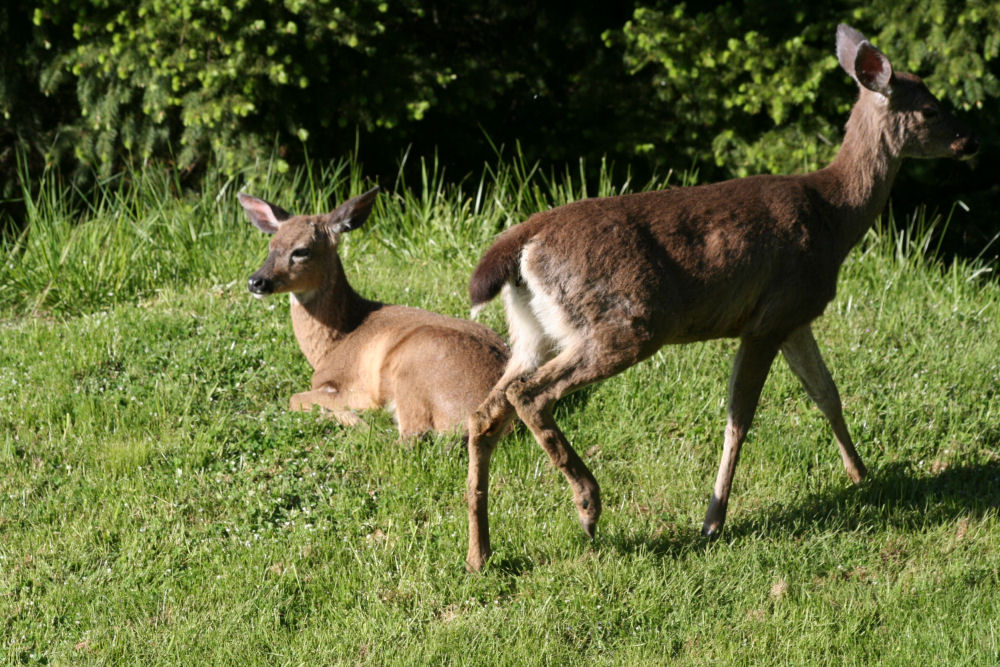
(595,286)
(430,369)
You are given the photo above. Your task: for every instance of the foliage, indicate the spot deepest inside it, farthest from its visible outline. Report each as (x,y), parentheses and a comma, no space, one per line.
(191,72)
(31,125)
(222,80)
(755,87)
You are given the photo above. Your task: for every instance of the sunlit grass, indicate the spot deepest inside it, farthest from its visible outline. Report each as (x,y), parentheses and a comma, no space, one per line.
(158,504)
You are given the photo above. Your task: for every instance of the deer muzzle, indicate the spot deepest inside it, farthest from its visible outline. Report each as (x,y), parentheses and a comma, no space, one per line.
(260,285)
(965,146)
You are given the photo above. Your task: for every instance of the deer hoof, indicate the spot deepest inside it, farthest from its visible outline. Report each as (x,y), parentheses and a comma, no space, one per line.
(474,562)
(588,512)
(711,530)
(856,474)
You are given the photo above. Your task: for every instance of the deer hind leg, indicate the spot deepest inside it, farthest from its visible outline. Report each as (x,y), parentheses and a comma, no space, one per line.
(531,394)
(530,348)
(533,398)
(477,484)
(750,368)
(486,426)
(803,357)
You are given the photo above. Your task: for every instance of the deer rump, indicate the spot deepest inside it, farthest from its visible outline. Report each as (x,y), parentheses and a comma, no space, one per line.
(428,370)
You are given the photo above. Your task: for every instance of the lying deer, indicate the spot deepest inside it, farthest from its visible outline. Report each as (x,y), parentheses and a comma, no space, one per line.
(431,370)
(595,286)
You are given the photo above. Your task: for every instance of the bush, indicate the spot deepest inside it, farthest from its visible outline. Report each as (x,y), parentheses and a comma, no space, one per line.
(727,88)
(226,82)
(750,87)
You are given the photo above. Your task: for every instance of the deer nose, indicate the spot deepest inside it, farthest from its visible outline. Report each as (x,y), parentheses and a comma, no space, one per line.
(965,146)
(260,285)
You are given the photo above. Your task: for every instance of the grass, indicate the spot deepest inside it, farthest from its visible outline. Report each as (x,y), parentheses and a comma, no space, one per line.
(157,503)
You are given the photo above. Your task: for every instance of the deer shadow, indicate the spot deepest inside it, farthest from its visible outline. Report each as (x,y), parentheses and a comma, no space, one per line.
(899,495)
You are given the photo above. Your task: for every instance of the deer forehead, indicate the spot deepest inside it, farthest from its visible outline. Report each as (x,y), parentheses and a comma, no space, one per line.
(301,231)
(909,91)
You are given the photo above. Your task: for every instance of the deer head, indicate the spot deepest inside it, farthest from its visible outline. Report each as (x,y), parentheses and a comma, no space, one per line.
(914,122)
(303,251)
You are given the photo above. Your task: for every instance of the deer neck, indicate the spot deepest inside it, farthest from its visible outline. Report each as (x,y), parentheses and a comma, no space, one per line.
(858,181)
(323,316)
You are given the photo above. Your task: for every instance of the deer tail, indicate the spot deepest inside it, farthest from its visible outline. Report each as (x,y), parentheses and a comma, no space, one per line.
(500,264)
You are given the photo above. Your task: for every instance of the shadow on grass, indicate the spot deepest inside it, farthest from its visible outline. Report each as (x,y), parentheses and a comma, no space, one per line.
(899,495)
(511,567)
(663,544)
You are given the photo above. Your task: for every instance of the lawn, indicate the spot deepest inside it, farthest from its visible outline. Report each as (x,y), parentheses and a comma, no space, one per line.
(158,504)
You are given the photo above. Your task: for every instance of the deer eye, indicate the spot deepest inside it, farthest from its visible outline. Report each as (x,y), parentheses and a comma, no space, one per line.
(300,254)
(929,113)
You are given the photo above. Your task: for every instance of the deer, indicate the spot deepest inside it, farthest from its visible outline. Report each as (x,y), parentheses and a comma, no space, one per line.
(595,286)
(430,370)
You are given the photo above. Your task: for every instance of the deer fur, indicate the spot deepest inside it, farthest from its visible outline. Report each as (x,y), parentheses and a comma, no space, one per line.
(595,286)
(430,369)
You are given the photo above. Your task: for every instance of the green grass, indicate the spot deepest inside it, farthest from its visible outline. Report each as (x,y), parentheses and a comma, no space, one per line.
(158,505)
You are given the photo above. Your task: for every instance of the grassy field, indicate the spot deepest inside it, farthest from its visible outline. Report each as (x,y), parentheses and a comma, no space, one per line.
(158,505)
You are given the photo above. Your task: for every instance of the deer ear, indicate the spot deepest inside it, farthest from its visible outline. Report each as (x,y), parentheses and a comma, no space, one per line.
(866,64)
(352,213)
(873,69)
(265,216)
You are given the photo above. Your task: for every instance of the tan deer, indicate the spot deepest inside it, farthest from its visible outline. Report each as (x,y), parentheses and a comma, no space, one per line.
(430,369)
(595,286)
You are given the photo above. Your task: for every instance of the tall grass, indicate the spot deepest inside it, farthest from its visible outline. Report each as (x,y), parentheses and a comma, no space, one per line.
(142,231)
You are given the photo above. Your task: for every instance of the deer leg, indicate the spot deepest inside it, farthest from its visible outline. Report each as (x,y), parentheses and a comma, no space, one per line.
(477,484)
(494,413)
(330,400)
(486,426)
(803,357)
(750,368)
(533,398)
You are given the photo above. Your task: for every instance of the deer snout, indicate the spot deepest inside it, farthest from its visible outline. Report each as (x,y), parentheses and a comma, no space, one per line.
(965,145)
(260,285)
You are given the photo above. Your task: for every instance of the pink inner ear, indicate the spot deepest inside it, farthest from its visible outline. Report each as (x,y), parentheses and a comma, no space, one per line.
(873,69)
(260,214)
(871,62)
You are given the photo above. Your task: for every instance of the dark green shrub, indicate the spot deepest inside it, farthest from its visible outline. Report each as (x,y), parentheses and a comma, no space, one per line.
(755,87)
(210,79)
(727,88)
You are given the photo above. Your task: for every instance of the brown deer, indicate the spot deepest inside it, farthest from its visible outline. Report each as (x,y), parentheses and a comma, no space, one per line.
(595,286)
(430,369)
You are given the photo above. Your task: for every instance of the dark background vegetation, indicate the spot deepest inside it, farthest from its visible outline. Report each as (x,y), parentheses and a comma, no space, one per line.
(90,87)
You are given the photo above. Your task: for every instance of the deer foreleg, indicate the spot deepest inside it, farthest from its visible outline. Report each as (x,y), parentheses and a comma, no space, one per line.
(803,357)
(750,368)
(331,401)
